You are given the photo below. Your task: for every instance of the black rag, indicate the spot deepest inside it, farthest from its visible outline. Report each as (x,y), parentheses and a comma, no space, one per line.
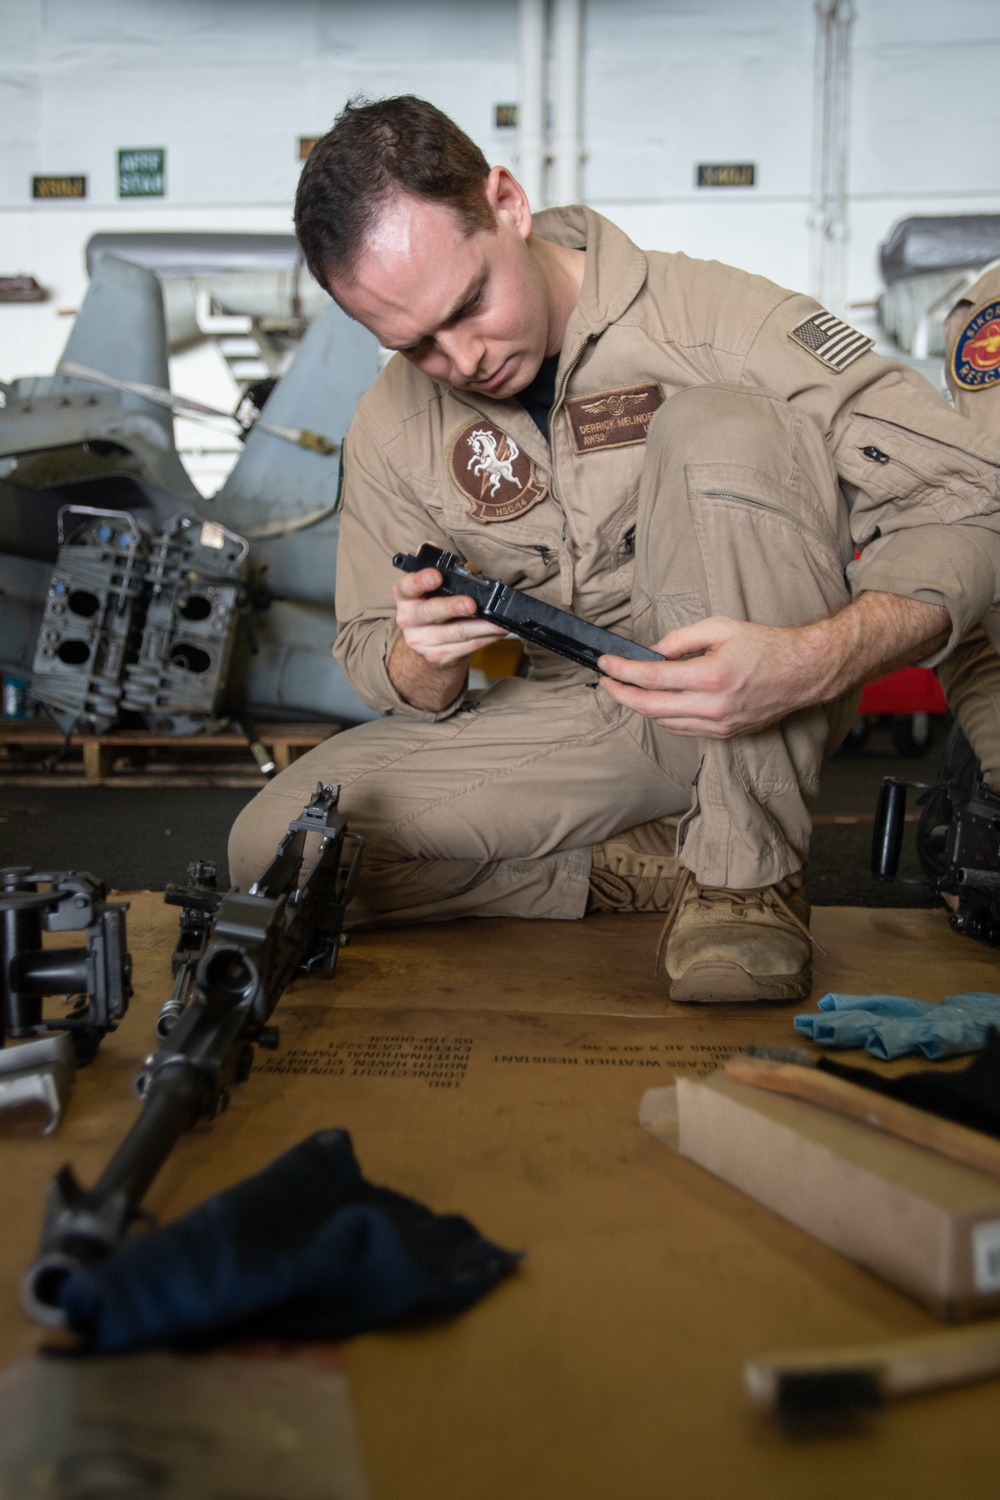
(306,1249)
(970,1096)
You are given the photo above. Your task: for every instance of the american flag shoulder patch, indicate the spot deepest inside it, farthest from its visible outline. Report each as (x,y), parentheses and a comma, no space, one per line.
(833,343)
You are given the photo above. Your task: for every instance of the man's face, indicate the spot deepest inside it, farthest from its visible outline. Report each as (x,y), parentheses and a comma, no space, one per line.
(472,310)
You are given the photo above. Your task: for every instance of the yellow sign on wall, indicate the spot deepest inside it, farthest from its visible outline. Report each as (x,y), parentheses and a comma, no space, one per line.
(726,174)
(59,187)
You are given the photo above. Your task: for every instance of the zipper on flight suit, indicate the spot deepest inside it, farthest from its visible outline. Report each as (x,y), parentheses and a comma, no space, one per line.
(545,553)
(566,572)
(774,510)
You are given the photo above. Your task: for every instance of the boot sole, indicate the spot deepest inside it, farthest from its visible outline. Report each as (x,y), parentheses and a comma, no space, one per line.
(715,984)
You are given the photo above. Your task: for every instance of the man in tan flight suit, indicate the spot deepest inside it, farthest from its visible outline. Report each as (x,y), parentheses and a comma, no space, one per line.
(672,449)
(971,675)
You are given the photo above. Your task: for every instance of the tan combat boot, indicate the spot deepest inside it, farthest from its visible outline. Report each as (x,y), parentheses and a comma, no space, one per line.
(636,870)
(738,945)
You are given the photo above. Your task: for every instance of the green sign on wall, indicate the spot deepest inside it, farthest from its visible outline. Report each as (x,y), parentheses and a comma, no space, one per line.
(142,174)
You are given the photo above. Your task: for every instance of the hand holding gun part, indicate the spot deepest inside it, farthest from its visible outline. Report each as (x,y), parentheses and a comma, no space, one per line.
(243,958)
(531,619)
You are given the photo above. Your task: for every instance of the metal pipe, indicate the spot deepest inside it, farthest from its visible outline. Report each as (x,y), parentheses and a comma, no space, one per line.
(533,71)
(828,214)
(567,29)
(839,227)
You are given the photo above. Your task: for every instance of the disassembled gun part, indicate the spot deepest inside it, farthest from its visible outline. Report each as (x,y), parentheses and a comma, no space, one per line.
(95,980)
(967,848)
(531,619)
(38,1073)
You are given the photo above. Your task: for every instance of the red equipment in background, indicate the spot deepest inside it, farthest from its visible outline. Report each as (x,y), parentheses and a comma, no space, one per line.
(911,697)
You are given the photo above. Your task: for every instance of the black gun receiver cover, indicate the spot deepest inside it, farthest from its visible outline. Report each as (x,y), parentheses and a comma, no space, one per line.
(517,612)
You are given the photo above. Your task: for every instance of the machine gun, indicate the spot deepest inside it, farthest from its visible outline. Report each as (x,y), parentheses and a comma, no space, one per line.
(958,840)
(238,951)
(531,619)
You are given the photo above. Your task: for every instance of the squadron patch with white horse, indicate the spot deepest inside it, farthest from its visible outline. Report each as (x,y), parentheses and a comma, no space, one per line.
(491,471)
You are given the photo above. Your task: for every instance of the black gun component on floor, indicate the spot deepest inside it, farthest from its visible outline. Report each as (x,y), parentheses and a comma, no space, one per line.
(961,852)
(238,952)
(529,618)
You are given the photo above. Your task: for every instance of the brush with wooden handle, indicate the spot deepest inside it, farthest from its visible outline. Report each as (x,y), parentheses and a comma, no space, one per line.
(816,1385)
(881,1111)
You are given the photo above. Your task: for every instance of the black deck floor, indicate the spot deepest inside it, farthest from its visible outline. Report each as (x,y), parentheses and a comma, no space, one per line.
(139,837)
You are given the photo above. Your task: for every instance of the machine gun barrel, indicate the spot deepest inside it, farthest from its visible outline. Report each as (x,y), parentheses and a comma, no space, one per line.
(249,951)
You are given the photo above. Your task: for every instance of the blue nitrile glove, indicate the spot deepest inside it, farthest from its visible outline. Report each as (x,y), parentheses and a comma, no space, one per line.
(890,1026)
(306,1249)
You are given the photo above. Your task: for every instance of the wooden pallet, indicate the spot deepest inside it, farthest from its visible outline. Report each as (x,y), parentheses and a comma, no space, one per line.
(284,742)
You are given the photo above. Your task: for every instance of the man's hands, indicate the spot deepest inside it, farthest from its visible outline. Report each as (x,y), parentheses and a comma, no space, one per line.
(748,676)
(724,677)
(429,662)
(740,677)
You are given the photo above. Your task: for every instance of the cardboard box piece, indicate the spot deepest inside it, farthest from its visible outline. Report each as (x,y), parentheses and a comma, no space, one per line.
(929,1226)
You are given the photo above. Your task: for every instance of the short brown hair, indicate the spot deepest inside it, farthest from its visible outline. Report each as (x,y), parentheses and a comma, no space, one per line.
(375,150)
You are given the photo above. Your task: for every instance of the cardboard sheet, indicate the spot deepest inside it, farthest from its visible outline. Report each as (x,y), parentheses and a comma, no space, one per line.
(495,1069)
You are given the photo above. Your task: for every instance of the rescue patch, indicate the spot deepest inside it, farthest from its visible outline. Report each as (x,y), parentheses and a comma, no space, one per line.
(612,419)
(975,359)
(834,344)
(489,468)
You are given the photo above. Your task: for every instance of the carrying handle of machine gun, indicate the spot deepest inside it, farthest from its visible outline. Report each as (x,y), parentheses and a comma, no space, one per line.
(887,833)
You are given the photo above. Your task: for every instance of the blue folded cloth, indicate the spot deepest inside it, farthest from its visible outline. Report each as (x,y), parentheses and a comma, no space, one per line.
(890,1026)
(306,1249)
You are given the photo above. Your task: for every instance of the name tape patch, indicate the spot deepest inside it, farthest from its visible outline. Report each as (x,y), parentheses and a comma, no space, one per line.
(612,419)
(487,466)
(833,343)
(975,360)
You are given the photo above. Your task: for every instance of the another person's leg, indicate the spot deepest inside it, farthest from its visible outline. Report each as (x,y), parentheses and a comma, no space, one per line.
(971,681)
(740,515)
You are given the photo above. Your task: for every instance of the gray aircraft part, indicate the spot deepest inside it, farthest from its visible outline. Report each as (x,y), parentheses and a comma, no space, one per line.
(920,246)
(195,582)
(91,614)
(282,499)
(24,583)
(264,296)
(261,276)
(119,330)
(66,440)
(56,430)
(195,252)
(286,670)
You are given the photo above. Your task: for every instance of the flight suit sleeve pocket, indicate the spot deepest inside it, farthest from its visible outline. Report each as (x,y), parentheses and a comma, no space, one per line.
(897,468)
